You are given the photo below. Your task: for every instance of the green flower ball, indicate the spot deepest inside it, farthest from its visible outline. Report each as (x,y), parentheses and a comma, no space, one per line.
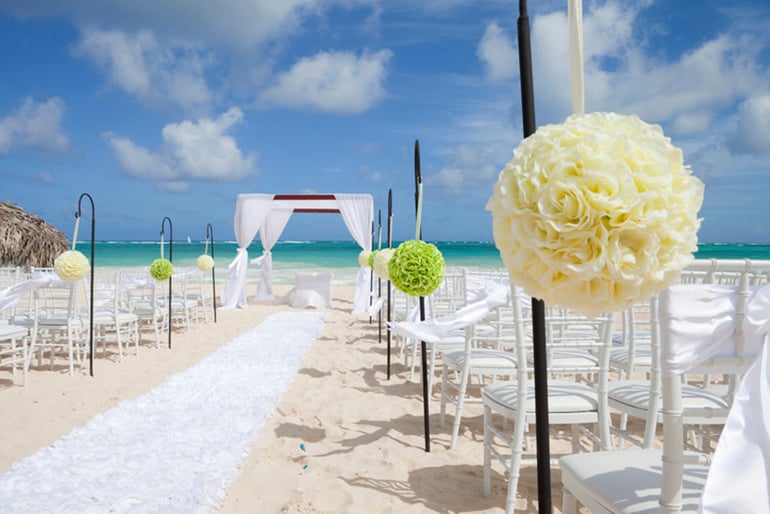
(161,269)
(416,268)
(371,258)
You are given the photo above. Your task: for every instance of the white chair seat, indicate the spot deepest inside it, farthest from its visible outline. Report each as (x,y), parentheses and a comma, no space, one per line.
(563,396)
(8,332)
(636,393)
(619,357)
(481,358)
(626,481)
(570,358)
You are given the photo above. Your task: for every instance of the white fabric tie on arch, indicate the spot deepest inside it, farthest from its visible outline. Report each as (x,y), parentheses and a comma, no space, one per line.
(357,213)
(250,213)
(269,233)
(703,320)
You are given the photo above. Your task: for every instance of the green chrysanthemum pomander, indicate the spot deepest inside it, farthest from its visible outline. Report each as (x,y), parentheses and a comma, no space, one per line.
(416,268)
(71,265)
(161,269)
(205,263)
(372,255)
(363,258)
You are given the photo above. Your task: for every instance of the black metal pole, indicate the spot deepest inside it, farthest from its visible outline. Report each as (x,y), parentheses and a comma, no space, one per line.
(390,245)
(170,259)
(210,238)
(371,276)
(538,307)
(379,280)
(423,352)
(91,311)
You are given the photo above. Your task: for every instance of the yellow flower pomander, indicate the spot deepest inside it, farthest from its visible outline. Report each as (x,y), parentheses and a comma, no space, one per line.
(363,258)
(71,265)
(596,213)
(381,261)
(205,262)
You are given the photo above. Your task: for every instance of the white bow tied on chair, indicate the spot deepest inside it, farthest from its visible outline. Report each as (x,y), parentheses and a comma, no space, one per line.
(739,476)
(434,330)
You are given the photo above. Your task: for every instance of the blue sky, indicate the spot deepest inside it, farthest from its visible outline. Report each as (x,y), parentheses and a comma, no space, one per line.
(173,108)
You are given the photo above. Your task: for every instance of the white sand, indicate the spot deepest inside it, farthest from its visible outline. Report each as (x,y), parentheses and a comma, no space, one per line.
(362,434)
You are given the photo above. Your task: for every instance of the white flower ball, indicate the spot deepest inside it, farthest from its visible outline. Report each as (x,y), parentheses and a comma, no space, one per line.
(596,213)
(363,258)
(381,261)
(71,265)
(205,263)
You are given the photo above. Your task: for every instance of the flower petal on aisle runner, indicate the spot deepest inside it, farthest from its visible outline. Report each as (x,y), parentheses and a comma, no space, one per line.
(178,447)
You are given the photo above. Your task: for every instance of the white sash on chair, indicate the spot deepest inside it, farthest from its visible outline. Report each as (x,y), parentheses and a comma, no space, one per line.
(739,475)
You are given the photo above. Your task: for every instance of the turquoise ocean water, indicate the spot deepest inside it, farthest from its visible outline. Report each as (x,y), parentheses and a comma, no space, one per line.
(340,257)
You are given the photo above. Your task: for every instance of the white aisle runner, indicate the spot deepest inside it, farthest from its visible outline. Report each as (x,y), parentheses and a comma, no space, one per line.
(176,448)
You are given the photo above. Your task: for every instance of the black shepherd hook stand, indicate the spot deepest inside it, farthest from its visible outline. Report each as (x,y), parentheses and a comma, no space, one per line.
(379,280)
(371,277)
(210,238)
(170,259)
(538,307)
(91,312)
(423,353)
(390,245)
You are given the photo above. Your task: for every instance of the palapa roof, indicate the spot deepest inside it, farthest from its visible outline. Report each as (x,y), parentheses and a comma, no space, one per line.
(27,240)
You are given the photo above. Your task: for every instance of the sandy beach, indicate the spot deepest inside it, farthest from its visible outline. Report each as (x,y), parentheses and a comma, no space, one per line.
(342,439)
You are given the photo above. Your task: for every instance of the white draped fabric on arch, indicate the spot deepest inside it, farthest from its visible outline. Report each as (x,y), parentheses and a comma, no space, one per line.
(268,215)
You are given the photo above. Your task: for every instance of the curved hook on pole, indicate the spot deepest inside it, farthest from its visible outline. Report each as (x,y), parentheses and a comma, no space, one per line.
(171,259)
(210,238)
(91,312)
(170,236)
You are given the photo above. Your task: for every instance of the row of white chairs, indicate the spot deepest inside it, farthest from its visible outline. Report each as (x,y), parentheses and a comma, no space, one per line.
(55,315)
(582,355)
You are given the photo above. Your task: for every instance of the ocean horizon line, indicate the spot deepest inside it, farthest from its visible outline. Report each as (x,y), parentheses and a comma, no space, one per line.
(310,241)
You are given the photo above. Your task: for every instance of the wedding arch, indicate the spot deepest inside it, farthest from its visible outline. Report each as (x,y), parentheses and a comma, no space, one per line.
(268,214)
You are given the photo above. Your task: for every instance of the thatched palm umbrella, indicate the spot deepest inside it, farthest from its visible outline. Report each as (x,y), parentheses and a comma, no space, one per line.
(27,240)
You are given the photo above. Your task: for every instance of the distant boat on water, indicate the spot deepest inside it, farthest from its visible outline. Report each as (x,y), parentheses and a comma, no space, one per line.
(188,239)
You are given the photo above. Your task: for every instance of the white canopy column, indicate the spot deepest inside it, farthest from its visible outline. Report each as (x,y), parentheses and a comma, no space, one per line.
(358,212)
(251,211)
(271,230)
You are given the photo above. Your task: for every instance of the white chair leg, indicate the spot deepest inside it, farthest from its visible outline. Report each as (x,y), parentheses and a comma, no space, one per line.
(444,393)
(487,475)
(568,503)
(459,407)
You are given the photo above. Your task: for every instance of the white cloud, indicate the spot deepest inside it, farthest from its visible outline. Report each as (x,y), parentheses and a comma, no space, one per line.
(35,125)
(469,166)
(199,150)
(687,91)
(752,133)
(337,82)
(154,73)
(45,177)
(496,51)
(241,25)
